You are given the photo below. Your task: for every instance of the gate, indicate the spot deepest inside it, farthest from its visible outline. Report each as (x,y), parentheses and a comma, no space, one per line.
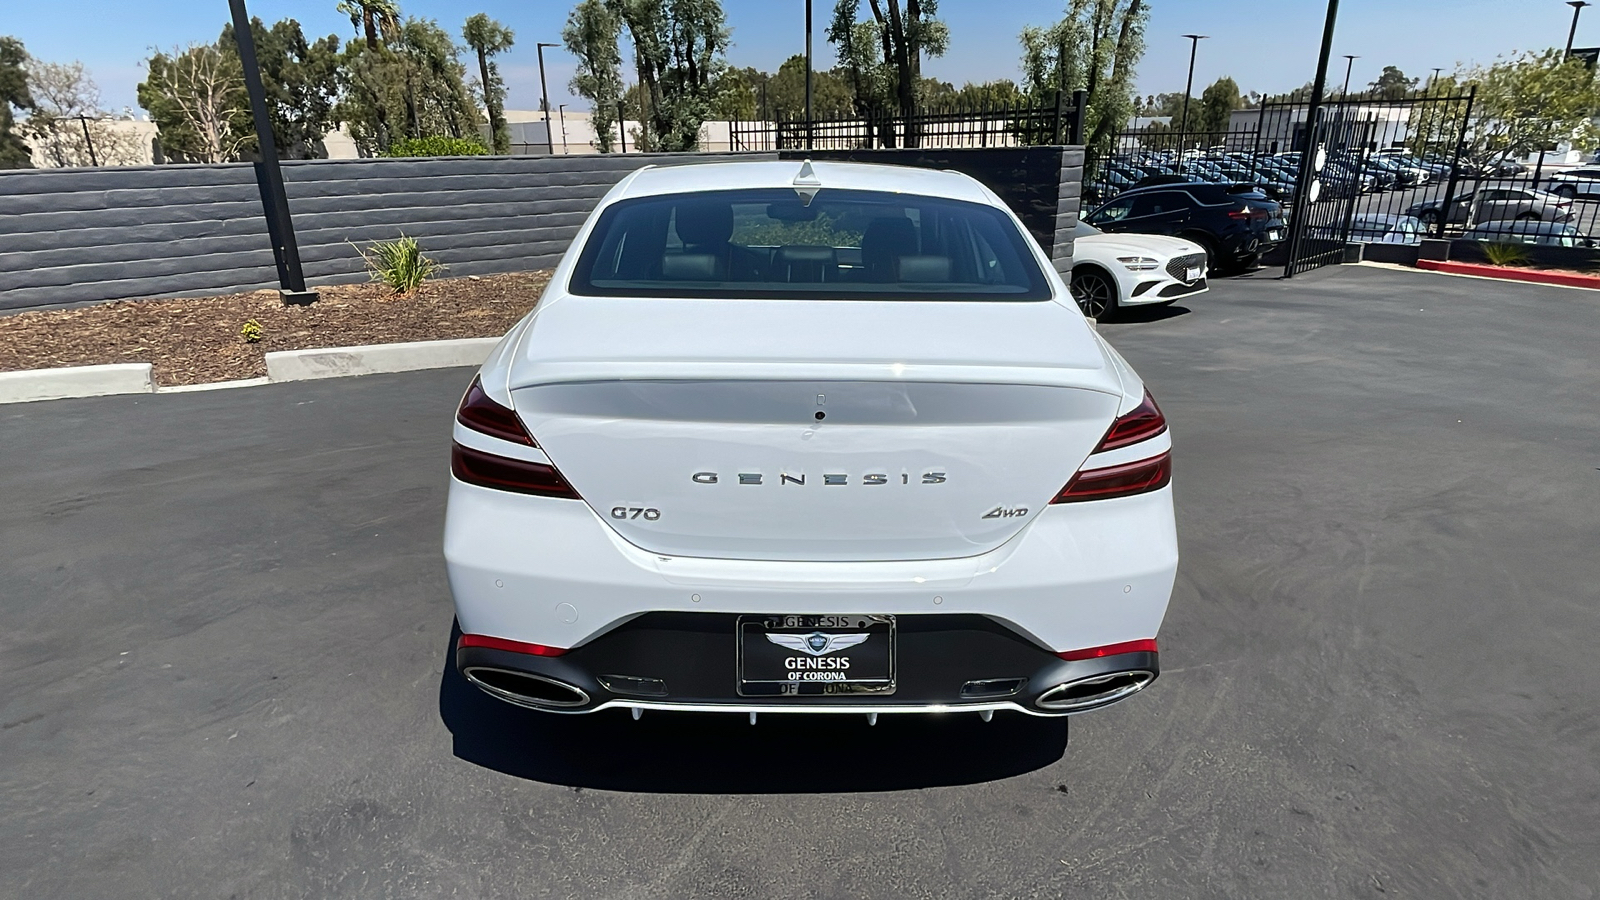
(1384,171)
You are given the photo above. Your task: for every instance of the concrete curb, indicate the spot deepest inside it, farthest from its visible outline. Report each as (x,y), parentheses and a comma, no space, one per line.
(288,365)
(374,359)
(75,381)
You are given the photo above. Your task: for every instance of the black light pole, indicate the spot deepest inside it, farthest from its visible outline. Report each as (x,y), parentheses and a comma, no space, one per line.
(93,160)
(561,110)
(1347,67)
(544,94)
(1308,168)
(808,75)
(1188,88)
(269,175)
(1436,71)
(1577,7)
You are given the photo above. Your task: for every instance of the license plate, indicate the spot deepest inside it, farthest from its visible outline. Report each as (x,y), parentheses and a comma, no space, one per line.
(1192,273)
(1274,234)
(808,656)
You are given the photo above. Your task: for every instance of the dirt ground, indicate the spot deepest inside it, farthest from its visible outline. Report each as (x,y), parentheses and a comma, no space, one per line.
(195,340)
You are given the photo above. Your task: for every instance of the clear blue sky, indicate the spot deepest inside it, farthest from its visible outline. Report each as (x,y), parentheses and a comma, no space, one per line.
(1265,45)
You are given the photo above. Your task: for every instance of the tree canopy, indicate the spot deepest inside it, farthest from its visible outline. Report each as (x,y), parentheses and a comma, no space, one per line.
(591,34)
(678,50)
(14,94)
(1094,48)
(1532,102)
(1216,106)
(882,55)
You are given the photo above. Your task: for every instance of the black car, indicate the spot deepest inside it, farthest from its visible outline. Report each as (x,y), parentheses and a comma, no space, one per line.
(1235,223)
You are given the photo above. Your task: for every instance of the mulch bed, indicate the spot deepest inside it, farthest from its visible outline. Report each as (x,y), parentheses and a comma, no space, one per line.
(195,340)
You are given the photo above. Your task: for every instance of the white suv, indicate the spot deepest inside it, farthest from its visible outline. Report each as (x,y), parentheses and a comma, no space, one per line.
(828,438)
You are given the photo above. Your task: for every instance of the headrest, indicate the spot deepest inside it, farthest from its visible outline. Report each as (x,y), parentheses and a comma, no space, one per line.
(701,222)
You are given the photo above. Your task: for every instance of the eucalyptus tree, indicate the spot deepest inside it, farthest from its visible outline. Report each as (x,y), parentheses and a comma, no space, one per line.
(14,94)
(591,34)
(488,38)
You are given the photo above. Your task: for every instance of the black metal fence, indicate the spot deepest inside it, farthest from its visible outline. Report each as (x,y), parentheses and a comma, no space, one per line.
(951,127)
(1387,172)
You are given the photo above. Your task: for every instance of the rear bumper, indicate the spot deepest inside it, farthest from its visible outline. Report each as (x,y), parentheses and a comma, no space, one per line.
(547,571)
(688,661)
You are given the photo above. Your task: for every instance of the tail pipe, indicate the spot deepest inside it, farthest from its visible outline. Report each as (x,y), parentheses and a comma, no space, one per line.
(1101,676)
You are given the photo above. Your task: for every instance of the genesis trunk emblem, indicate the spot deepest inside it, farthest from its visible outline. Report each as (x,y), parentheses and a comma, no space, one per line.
(816,643)
(833,479)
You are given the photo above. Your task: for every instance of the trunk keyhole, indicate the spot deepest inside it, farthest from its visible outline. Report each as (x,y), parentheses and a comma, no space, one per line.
(821,415)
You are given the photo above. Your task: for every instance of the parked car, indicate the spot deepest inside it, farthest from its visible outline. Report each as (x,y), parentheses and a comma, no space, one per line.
(1437,170)
(1233,223)
(704,474)
(1574,183)
(1543,234)
(1488,204)
(1112,272)
(1377,228)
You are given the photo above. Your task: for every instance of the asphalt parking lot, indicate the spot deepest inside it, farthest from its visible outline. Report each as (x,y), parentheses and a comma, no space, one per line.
(224,628)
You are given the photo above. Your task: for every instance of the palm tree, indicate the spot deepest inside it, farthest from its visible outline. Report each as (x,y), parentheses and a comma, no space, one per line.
(372,17)
(487,37)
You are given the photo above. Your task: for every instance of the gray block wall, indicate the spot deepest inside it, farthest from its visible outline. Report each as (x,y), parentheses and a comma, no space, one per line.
(74,236)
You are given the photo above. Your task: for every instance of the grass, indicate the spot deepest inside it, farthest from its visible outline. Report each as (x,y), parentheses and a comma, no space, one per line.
(399,264)
(1506,254)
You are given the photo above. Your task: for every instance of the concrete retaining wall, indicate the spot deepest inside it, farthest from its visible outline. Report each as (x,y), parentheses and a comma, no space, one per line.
(75,236)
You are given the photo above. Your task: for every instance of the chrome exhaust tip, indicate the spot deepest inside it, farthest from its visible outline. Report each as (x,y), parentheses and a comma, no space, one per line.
(525,688)
(1095,691)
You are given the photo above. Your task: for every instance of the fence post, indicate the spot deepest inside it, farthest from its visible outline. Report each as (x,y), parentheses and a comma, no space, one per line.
(269,175)
(1455,166)
(622,126)
(1080,101)
(1055,128)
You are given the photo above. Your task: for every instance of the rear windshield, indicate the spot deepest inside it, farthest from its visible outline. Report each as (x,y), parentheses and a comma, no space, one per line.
(843,245)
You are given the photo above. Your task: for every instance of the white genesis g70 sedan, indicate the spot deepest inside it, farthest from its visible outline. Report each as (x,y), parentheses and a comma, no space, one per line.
(796,437)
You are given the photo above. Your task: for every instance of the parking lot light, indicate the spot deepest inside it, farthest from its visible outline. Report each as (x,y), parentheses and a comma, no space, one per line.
(1577,7)
(1188,88)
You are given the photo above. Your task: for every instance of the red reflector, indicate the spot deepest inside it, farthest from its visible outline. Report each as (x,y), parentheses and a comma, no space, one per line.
(1147,645)
(494,643)
(1143,422)
(1118,481)
(483,415)
(505,474)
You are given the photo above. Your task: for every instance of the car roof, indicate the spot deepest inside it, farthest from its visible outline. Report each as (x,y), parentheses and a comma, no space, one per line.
(697,177)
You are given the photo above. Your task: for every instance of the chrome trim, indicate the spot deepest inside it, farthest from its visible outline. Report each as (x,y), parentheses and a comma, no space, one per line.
(856,710)
(523,700)
(1095,701)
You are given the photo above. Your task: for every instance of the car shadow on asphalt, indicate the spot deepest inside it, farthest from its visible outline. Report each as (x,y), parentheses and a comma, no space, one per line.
(716,753)
(1132,315)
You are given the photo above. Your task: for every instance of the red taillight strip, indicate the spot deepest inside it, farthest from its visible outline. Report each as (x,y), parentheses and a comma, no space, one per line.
(494,643)
(1146,645)
(1141,423)
(1125,480)
(505,474)
(480,413)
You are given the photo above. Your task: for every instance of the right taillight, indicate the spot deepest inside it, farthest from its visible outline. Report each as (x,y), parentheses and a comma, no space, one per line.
(1139,424)
(479,412)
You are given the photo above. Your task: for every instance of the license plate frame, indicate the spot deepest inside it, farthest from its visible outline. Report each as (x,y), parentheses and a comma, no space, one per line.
(1192,274)
(768,668)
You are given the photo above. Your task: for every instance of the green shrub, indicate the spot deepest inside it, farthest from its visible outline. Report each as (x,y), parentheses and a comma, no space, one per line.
(1506,254)
(438,145)
(399,264)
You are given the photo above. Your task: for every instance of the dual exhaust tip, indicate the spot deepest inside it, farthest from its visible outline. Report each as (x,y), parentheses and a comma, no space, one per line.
(526,689)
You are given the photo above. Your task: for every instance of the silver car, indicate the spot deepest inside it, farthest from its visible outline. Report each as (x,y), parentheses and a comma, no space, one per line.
(1494,203)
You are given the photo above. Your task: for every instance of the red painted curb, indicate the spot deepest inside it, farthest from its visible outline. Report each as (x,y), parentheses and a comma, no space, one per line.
(1530,275)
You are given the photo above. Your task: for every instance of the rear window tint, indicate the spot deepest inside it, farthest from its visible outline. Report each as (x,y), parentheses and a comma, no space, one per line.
(843,245)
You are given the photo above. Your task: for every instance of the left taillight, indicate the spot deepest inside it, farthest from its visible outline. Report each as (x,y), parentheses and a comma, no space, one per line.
(480,413)
(1139,424)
